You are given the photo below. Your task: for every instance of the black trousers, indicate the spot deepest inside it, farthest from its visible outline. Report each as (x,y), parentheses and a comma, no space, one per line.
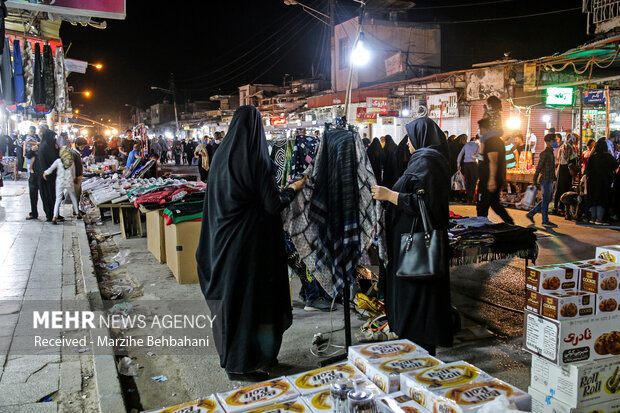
(48,195)
(33,189)
(470,170)
(488,199)
(563,185)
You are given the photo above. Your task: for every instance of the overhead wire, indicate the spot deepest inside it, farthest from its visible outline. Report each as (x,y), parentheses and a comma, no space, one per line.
(449,6)
(492,19)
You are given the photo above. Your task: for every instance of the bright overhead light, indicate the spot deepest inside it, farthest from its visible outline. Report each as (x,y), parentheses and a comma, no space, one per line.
(360,55)
(107,132)
(513,123)
(546,118)
(405,113)
(84,132)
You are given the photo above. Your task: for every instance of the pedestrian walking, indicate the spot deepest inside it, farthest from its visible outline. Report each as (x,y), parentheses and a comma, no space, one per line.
(600,171)
(545,170)
(203,165)
(64,169)
(467,162)
(46,156)
(565,156)
(492,173)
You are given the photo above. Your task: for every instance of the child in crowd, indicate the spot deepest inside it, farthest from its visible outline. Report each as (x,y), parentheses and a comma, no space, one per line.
(65,178)
(136,153)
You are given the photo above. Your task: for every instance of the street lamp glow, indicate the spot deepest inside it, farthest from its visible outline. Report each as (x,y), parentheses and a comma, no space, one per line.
(360,55)
(107,132)
(513,123)
(546,118)
(77,111)
(87,93)
(98,66)
(114,132)
(405,113)
(84,132)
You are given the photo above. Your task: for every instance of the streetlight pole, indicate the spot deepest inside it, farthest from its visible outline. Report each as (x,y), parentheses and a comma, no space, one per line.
(176,117)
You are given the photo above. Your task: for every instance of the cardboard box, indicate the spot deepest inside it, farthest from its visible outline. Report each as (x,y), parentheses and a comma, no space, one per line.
(445,376)
(181,245)
(608,302)
(206,405)
(572,341)
(376,353)
(551,278)
(387,374)
(609,253)
(399,403)
(600,279)
(426,398)
(317,380)
(563,306)
(293,406)
(532,301)
(581,384)
(471,397)
(258,395)
(544,403)
(155,234)
(322,402)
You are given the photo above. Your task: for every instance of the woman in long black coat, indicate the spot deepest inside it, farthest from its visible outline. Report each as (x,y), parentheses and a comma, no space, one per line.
(241,256)
(599,173)
(390,162)
(375,156)
(419,310)
(47,154)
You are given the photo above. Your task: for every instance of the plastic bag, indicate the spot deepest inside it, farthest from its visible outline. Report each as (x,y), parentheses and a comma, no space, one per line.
(119,259)
(500,404)
(457,182)
(530,196)
(127,367)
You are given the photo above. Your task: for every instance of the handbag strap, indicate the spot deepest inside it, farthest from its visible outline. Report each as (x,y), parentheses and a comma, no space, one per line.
(426,220)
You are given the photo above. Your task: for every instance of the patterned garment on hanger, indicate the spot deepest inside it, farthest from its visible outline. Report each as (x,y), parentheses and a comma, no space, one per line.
(27,62)
(303,153)
(334,219)
(61,81)
(6,74)
(278,152)
(49,99)
(37,90)
(288,158)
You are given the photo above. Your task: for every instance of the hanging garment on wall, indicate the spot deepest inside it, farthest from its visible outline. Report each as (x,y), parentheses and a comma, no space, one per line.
(3,14)
(28,70)
(61,81)
(303,153)
(19,72)
(288,158)
(6,75)
(334,219)
(48,78)
(278,152)
(37,74)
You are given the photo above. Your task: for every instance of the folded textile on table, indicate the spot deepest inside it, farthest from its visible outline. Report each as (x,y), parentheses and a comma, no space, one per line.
(165,195)
(183,211)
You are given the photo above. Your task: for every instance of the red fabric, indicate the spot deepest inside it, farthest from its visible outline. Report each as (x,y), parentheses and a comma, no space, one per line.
(455,216)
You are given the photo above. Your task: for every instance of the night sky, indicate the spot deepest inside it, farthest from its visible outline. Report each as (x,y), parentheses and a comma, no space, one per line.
(213,50)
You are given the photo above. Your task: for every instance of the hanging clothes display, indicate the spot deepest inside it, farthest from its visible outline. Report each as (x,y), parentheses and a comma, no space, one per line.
(278,152)
(19,72)
(288,158)
(28,70)
(334,219)
(304,151)
(61,81)
(3,14)
(49,98)
(6,75)
(37,88)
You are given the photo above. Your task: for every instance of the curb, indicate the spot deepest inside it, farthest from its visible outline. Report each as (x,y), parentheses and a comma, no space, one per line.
(109,394)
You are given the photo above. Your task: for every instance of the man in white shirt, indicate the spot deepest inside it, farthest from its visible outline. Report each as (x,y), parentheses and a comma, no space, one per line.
(531,142)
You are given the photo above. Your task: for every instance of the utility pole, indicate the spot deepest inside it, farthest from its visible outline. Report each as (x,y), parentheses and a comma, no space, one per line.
(174,102)
(332,36)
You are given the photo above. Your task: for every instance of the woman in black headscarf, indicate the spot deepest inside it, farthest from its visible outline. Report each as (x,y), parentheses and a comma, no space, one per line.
(419,310)
(375,156)
(241,256)
(390,162)
(47,154)
(402,156)
(599,173)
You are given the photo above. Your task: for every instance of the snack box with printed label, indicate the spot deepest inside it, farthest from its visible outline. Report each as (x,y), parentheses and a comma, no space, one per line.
(206,405)
(600,278)
(258,395)
(399,402)
(387,374)
(572,341)
(608,302)
(609,253)
(322,402)
(552,278)
(320,379)
(376,353)
(562,306)
(430,400)
(473,396)
(581,384)
(544,403)
(292,406)
(444,376)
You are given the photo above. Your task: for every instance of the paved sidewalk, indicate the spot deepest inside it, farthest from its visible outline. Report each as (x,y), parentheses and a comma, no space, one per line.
(38,261)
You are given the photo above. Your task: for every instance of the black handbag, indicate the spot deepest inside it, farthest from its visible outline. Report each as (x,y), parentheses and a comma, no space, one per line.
(422,255)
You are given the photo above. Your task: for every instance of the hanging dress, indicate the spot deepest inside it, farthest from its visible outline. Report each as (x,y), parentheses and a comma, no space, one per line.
(28,70)
(37,89)
(6,75)
(49,98)
(61,81)
(19,72)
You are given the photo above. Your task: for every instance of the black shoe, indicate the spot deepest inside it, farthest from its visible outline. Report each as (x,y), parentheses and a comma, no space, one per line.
(253,377)
(530,217)
(29,217)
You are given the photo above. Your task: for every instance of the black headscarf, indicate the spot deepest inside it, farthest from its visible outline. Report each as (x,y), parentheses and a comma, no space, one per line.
(402,155)
(375,156)
(390,163)
(48,152)
(601,147)
(424,133)
(366,143)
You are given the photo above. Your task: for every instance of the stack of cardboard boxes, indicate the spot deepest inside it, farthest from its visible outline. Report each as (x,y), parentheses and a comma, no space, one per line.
(572,326)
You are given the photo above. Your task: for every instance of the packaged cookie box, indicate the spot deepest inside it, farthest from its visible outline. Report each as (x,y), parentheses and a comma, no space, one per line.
(320,379)
(544,403)
(205,405)
(609,253)
(473,396)
(399,402)
(387,374)
(581,384)
(562,306)
(600,278)
(292,406)
(572,341)
(258,395)
(322,402)
(429,398)
(608,302)
(552,278)
(362,355)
